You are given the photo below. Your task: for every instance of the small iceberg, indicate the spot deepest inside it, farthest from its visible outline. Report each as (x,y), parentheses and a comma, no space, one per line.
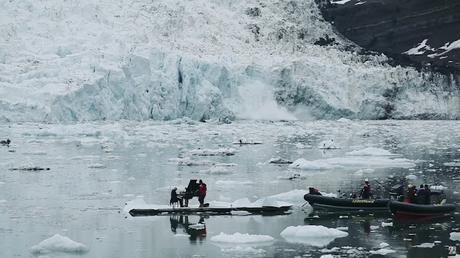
(313,235)
(58,243)
(213,152)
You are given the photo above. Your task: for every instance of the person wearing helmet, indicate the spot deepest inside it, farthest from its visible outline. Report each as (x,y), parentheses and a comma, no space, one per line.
(366,192)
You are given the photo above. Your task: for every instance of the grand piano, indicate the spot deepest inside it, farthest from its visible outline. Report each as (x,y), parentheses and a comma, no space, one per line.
(190,191)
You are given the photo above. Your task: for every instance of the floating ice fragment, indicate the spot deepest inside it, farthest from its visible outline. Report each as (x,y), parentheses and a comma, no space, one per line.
(241,238)
(58,243)
(312,235)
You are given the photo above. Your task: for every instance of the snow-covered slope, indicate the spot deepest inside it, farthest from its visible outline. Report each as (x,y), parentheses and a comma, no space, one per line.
(64,61)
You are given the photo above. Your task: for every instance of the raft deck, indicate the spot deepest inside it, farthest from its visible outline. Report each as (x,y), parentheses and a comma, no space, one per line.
(263,210)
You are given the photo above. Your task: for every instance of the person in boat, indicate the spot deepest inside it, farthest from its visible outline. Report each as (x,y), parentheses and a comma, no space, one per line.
(175,198)
(366,192)
(411,194)
(421,195)
(427,194)
(201,192)
(313,191)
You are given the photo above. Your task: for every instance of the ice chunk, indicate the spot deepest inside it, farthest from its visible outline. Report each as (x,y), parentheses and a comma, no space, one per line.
(328,144)
(279,161)
(383,245)
(58,243)
(383,251)
(213,152)
(313,165)
(352,162)
(425,245)
(438,187)
(455,236)
(312,235)
(239,238)
(246,250)
(387,224)
(371,151)
(411,177)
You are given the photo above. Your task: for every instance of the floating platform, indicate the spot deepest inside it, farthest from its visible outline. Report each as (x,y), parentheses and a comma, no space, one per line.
(332,203)
(263,210)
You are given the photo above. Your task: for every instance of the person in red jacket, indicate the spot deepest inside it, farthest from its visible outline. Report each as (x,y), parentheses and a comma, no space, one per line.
(201,192)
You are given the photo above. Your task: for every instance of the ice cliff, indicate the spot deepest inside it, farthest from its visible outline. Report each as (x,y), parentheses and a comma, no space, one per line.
(70,61)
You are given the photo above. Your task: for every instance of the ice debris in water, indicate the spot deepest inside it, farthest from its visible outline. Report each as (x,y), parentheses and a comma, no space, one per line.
(383,251)
(213,152)
(328,144)
(240,238)
(58,243)
(244,250)
(352,162)
(455,236)
(312,235)
(371,151)
(438,187)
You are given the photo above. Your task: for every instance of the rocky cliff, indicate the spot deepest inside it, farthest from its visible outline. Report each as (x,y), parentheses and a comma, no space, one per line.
(420,33)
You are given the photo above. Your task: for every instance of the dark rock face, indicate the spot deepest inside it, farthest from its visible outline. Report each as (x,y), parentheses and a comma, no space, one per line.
(420,33)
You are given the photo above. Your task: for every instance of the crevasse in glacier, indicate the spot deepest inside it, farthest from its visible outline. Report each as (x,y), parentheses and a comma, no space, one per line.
(65,61)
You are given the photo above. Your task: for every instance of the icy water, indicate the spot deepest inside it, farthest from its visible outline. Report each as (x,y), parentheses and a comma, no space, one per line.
(94,169)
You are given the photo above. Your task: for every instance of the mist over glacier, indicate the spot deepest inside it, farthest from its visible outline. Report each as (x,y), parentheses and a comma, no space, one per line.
(72,61)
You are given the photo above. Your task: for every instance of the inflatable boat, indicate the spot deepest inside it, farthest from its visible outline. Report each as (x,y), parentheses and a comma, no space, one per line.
(404,209)
(333,203)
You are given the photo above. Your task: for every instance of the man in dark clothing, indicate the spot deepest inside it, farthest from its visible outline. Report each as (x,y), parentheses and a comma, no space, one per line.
(174,198)
(427,194)
(201,192)
(421,195)
(366,192)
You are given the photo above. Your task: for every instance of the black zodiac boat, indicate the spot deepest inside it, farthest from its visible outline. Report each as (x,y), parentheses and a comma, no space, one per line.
(404,209)
(333,203)
(263,210)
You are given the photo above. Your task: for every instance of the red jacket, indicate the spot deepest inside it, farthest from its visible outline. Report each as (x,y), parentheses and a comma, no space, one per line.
(202,189)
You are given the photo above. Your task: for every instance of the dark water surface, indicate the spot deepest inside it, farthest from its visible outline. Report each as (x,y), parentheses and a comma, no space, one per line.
(96,168)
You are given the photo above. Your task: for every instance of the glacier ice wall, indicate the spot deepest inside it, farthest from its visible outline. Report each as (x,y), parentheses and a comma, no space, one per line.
(67,61)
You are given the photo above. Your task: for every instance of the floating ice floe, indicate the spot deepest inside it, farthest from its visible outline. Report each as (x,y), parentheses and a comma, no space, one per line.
(327,145)
(279,161)
(217,170)
(239,238)
(352,162)
(411,177)
(96,165)
(438,187)
(425,245)
(197,226)
(231,183)
(187,161)
(58,243)
(343,120)
(312,235)
(452,164)
(383,251)
(371,151)
(455,236)
(244,250)
(326,256)
(383,245)
(213,152)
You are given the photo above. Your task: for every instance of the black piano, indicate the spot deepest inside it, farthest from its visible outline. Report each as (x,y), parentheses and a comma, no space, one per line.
(190,191)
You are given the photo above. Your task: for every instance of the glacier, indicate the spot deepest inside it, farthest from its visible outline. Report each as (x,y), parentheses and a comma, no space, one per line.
(76,61)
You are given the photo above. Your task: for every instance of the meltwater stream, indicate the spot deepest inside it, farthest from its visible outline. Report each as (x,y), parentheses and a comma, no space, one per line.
(95,168)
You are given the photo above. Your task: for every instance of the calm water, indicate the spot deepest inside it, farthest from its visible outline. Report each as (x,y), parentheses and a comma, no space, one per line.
(96,168)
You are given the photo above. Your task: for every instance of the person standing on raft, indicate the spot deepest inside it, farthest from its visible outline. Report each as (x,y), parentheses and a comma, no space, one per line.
(366,192)
(201,192)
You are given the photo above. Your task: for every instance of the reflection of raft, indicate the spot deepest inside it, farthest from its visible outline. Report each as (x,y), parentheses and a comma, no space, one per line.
(332,203)
(263,210)
(404,209)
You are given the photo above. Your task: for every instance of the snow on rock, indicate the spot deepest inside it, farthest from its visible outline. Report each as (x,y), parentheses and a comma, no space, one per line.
(213,152)
(371,151)
(455,236)
(238,238)
(419,49)
(312,235)
(383,251)
(58,243)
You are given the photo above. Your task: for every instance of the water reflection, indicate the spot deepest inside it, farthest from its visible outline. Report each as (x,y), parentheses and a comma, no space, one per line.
(196,231)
